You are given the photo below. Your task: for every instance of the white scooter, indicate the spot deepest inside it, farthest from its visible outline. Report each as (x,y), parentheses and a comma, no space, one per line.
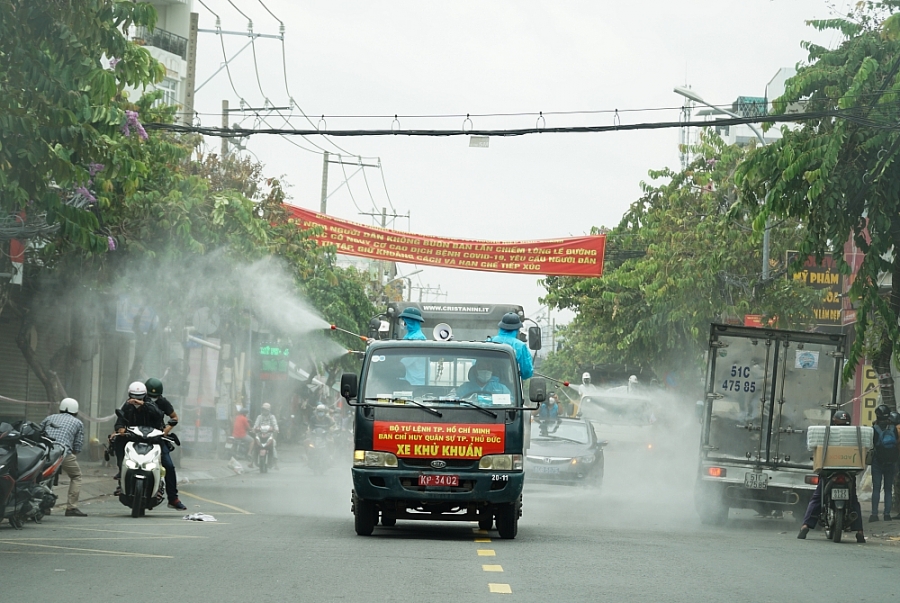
(141,482)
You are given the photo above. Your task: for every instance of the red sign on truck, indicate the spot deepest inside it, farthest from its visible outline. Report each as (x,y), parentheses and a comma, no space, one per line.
(439,440)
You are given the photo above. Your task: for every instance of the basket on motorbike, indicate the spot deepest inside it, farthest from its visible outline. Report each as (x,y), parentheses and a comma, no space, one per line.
(839,446)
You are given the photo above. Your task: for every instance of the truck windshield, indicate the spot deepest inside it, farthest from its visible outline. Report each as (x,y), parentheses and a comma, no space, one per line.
(483,377)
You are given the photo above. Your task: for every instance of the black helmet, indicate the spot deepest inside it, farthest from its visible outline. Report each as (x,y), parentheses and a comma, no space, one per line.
(510,322)
(841,417)
(882,411)
(154,387)
(894,417)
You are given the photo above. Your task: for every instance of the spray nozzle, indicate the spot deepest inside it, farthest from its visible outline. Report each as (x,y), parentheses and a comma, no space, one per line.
(337,328)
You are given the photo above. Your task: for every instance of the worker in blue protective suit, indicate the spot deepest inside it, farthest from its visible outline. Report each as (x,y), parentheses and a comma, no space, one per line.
(484,378)
(508,334)
(411,319)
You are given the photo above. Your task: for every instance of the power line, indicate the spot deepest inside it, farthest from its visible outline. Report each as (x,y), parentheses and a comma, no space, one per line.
(848,114)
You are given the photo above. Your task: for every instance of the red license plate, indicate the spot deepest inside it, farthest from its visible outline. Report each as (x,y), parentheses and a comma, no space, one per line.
(438,479)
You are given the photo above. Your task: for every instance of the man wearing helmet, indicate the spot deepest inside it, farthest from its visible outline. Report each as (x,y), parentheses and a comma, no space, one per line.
(811,519)
(321,418)
(137,411)
(155,395)
(266,418)
(508,333)
(68,430)
(884,460)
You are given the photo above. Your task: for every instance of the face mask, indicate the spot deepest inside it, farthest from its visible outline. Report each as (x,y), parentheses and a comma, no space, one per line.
(483,376)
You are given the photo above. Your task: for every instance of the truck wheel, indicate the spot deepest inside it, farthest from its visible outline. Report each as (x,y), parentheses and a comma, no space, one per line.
(388,520)
(485,519)
(365,517)
(838,526)
(710,506)
(508,520)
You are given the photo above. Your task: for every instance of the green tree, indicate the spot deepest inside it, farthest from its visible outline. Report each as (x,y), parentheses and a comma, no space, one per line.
(702,265)
(838,174)
(60,109)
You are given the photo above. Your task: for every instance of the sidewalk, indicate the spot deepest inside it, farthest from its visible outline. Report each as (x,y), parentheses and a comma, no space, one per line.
(97,479)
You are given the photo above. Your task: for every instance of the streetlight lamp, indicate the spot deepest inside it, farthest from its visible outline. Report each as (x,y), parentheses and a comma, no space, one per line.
(691,95)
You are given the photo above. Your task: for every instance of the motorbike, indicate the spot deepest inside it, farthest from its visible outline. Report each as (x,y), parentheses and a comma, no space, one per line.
(29,462)
(234,447)
(265,447)
(838,514)
(141,483)
(318,450)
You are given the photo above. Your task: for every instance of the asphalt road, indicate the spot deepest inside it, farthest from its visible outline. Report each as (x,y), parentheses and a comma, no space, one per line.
(288,535)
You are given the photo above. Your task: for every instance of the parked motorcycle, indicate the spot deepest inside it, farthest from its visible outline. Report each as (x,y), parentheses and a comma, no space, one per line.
(235,447)
(29,461)
(141,483)
(318,450)
(265,448)
(838,514)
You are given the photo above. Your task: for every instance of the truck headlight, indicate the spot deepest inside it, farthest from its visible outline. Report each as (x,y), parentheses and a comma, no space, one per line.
(131,464)
(371,458)
(501,462)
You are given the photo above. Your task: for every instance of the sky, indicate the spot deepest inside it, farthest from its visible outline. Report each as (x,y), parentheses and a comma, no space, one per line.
(415,58)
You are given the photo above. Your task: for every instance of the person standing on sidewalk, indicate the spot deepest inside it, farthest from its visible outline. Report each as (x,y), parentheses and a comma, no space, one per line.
(155,395)
(66,429)
(884,460)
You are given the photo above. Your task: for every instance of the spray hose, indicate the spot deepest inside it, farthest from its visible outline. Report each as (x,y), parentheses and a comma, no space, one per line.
(362,337)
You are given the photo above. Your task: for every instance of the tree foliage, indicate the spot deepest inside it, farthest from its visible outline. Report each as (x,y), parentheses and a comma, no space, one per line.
(702,264)
(839,175)
(60,110)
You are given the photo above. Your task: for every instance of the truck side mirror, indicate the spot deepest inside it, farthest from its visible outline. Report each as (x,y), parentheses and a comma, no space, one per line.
(534,338)
(374,326)
(349,386)
(537,390)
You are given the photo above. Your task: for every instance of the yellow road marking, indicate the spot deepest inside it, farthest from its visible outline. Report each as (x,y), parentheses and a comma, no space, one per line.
(238,509)
(482,540)
(126,531)
(492,568)
(486,553)
(148,537)
(500,588)
(94,551)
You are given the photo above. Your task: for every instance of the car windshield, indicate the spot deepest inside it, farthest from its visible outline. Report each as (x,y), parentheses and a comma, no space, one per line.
(560,430)
(441,377)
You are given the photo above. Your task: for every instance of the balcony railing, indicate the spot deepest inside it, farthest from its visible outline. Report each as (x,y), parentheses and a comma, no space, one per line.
(162,39)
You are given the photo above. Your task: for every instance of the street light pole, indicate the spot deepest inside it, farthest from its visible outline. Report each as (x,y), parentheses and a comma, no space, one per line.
(690,94)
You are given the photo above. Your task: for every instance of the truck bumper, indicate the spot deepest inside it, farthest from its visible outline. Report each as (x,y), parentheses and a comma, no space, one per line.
(786,489)
(399,490)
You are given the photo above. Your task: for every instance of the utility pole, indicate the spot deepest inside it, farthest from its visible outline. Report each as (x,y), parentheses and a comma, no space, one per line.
(324,200)
(187,116)
(340,160)
(225,126)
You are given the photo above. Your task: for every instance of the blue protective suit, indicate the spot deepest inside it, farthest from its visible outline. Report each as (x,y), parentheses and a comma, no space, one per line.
(493,386)
(415,367)
(413,330)
(523,355)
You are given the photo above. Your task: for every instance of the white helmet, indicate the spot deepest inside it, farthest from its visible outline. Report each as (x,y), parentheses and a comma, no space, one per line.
(69,405)
(321,409)
(137,390)
(267,406)
(632,379)
(586,377)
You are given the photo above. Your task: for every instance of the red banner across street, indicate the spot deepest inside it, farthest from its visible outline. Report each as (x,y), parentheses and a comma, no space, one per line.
(571,256)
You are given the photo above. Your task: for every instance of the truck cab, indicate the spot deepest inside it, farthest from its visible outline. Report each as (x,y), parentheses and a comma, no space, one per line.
(764,389)
(439,434)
